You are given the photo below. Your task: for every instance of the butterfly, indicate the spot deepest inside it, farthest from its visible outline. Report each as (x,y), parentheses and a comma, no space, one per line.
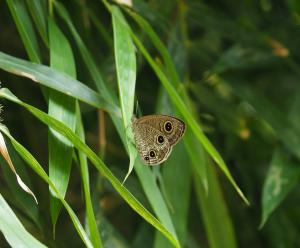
(155,135)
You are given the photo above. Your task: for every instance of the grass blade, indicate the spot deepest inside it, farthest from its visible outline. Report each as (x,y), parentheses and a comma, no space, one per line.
(52,79)
(62,108)
(6,156)
(144,174)
(13,230)
(126,73)
(288,132)
(182,108)
(87,58)
(27,205)
(174,79)
(25,28)
(283,174)
(176,181)
(97,162)
(282,177)
(214,213)
(38,12)
(92,224)
(33,163)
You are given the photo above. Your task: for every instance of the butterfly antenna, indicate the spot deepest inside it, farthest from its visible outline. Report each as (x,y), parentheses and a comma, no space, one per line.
(136,108)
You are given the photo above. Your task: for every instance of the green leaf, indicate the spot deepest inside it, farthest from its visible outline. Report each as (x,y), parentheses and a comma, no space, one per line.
(144,174)
(62,108)
(288,132)
(92,223)
(176,181)
(198,157)
(191,122)
(283,174)
(238,57)
(33,163)
(156,41)
(52,78)
(214,212)
(126,74)
(13,230)
(282,177)
(97,162)
(87,58)
(27,205)
(154,196)
(190,141)
(93,69)
(25,28)
(6,156)
(38,12)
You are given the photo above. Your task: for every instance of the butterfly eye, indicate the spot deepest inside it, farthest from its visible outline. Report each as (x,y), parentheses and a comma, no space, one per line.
(160,139)
(152,154)
(168,126)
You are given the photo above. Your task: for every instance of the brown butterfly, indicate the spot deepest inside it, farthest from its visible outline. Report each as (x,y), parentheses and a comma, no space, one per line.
(155,135)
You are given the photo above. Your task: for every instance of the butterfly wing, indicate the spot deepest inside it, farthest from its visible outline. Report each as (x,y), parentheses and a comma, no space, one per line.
(152,145)
(171,127)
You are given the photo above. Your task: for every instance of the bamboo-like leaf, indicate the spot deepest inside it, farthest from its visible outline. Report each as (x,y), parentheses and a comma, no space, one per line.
(283,174)
(63,109)
(52,78)
(126,73)
(24,201)
(33,163)
(13,230)
(97,162)
(282,177)
(5,154)
(190,141)
(287,131)
(37,10)
(88,59)
(176,181)
(214,213)
(192,123)
(25,28)
(92,224)
(144,174)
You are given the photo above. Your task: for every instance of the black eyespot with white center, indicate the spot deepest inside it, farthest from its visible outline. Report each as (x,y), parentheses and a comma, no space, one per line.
(152,154)
(168,127)
(146,158)
(160,139)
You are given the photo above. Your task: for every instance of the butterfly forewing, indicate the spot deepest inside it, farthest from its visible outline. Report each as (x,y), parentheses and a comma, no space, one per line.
(151,144)
(160,122)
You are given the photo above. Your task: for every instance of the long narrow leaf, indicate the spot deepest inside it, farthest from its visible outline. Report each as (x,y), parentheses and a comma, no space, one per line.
(92,224)
(97,162)
(217,223)
(182,108)
(52,78)
(37,10)
(26,155)
(62,108)
(25,28)
(13,230)
(126,72)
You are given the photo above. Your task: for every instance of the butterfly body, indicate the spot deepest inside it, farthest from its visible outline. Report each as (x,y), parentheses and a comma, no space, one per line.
(155,135)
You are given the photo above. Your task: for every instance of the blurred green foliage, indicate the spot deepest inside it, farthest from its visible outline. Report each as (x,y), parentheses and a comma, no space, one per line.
(230,69)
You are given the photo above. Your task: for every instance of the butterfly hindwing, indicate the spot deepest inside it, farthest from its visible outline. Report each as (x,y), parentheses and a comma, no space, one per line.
(171,127)
(152,145)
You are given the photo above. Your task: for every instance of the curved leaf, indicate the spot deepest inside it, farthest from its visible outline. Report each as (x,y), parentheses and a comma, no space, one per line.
(126,73)
(13,230)
(52,78)
(97,162)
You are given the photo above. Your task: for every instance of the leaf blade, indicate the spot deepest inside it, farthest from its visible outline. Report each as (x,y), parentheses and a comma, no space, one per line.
(13,230)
